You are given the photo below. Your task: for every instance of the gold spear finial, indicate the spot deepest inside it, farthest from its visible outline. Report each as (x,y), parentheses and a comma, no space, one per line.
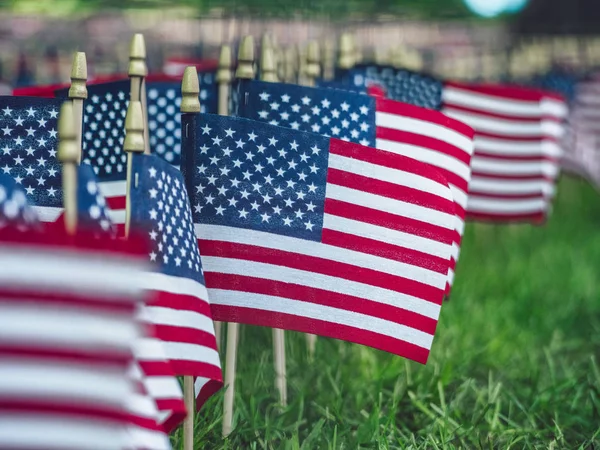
(346,56)
(224,72)
(134,128)
(78,87)
(267,65)
(313,60)
(190,90)
(245,67)
(67,135)
(137,56)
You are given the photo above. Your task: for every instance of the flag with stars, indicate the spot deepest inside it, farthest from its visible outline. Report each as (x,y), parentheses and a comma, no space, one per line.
(15,212)
(314,234)
(93,212)
(181,316)
(28,147)
(424,135)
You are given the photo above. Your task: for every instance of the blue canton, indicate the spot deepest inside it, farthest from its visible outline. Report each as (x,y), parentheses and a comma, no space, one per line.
(330,112)
(161,206)
(329,84)
(562,82)
(401,85)
(92,210)
(14,209)
(28,146)
(257,176)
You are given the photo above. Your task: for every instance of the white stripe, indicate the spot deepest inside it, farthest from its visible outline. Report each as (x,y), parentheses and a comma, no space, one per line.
(47,213)
(178,318)
(386,235)
(424,128)
(141,438)
(508,167)
(506,206)
(141,405)
(163,387)
(20,378)
(459,225)
(192,352)
(70,271)
(325,282)
(199,384)
(450,277)
(117,216)
(113,188)
(389,205)
(517,148)
(54,432)
(495,104)
(148,349)
(423,154)
(322,313)
(157,281)
(302,247)
(458,194)
(497,125)
(495,186)
(49,325)
(554,108)
(455,251)
(389,175)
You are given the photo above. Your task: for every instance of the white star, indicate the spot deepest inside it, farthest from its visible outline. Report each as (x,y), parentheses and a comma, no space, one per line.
(272,141)
(316,128)
(364,142)
(209,199)
(312,187)
(292,164)
(18,160)
(229,132)
(239,144)
(249,155)
(265,217)
(287,221)
(270,160)
(203,149)
(214,160)
(153,256)
(309,226)
(237,163)
(275,106)
(258,167)
(7,131)
(282,153)
(261,148)
(30,131)
(153,193)
(30,112)
(211,179)
(316,110)
(206,129)
(245,194)
(41,161)
(354,117)
(299,214)
(243,214)
(256,186)
(296,108)
(247,175)
(6,169)
(364,110)
(19,140)
(153,214)
(335,131)
(51,172)
(53,114)
(345,106)
(267,198)
(300,195)
(29,170)
(232,201)
(305,100)
(29,190)
(325,120)
(294,145)
(42,123)
(364,126)
(345,123)
(19,121)
(19,179)
(295,125)
(52,134)
(220,210)
(335,114)
(225,171)
(254,205)
(51,192)
(305,118)
(252,136)
(263,114)
(313,168)
(7,111)
(310,206)
(325,103)
(285,98)
(42,142)
(354,134)
(264,96)
(285,116)
(268,179)
(222,190)
(6,150)
(235,182)
(302,176)
(288,202)
(198,208)
(202,169)
(217,140)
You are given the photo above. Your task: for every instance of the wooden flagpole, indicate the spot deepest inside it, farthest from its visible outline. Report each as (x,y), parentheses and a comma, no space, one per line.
(133,143)
(68,155)
(138,70)
(77,94)
(190,103)
(346,58)
(224,78)
(268,73)
(245,70)
(312,72)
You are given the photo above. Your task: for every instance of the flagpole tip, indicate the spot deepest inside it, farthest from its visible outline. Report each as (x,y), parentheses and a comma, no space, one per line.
(79,75)
(246,59)
(267,65)
(134,128)
(313,60)
(224,71)
(346,57)
(190,91)
(137,56)
(68,151)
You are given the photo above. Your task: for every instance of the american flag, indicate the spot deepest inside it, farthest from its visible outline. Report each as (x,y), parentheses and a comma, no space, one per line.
(302,232)
(427,136)
(517,148)
(28,146)
(157,374)
(104,119)
(182,316)
(15,212)
(64,329)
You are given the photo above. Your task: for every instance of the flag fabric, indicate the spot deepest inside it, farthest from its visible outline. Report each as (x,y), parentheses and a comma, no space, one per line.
(400,128)
(517,148)
(15,212)
(63,328)
(104,120)
(181,315)
(28,147)
(302,232)
(93,211)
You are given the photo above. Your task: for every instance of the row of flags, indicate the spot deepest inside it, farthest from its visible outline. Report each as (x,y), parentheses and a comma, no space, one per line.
(336,210)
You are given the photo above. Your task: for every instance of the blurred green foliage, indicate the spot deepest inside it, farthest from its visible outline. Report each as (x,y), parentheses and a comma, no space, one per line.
(435,9)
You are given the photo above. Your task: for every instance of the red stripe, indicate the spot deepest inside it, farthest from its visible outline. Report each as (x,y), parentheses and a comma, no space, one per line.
(516,158)
(493,217)
(387,220)
(334,330)
(59,407)
(319,297)
(184,367)
(321,265)
(91,356)
(210,387)
(404,109)
(175,333)
(504,92)
(389,190)
(491,115)
(176,416)
(385,159)
(116,203)
(495,176)
(511,196)
(181,302)
(419,140)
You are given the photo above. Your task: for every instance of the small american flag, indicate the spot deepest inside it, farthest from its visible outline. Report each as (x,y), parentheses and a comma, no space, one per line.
(182,316)
(302,232)
(93,212)
(28,146)
(396,127)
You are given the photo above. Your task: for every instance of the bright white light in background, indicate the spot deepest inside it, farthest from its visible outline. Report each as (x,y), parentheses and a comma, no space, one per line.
(492,8)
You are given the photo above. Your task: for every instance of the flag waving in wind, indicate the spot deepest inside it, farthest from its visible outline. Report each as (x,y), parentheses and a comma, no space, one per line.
(303,232)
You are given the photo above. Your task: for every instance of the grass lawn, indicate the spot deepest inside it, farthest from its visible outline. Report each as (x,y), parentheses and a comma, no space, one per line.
(515,362)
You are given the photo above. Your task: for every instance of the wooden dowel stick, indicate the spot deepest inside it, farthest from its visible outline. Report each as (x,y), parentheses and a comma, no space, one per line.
(188,424)
(230,363)
(77,94)
(68,152)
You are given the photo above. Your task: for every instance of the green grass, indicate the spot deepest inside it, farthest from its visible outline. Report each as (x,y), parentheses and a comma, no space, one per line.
(515,362)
